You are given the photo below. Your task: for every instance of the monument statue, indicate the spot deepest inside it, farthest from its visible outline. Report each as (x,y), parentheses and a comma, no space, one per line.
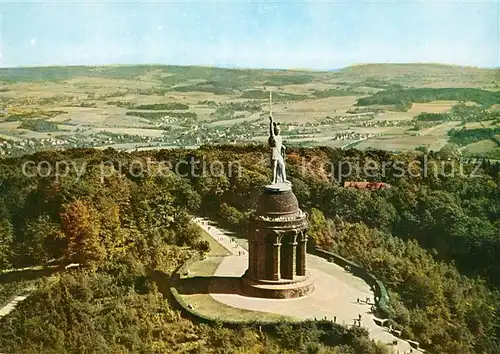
(277,152)
(277,149)
(277,241)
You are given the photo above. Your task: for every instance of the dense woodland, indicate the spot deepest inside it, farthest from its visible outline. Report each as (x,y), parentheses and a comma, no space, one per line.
(154,116)
(461,112)
(404,97)
(130,233)
(433,239)
(152,107)
(467,136)
(39,125)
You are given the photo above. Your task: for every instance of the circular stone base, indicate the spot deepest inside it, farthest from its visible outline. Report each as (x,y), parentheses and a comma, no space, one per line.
(281,289)
(278,187)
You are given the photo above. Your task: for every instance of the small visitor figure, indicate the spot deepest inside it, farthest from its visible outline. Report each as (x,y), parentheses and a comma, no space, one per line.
(278,152)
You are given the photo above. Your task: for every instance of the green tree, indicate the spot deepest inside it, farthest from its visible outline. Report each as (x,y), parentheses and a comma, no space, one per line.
(203,247)
(44,239)
(6,243)
(320,230)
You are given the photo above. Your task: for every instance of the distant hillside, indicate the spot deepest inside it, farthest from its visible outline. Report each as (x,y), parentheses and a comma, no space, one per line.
(61,73)
(415,74)
(209,79)
(168,74)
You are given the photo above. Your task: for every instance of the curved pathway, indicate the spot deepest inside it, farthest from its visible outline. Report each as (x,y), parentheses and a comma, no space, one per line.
(25,293)
(335,296)
(4,311)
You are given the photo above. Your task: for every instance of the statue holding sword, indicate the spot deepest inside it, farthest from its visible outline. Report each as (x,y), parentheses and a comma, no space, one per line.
(277,149)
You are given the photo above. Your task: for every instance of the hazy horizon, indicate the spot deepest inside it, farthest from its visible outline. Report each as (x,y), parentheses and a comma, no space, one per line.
(256,35)
(236,67)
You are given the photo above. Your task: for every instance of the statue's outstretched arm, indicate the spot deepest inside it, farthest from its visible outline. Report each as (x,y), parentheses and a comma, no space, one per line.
(271,130)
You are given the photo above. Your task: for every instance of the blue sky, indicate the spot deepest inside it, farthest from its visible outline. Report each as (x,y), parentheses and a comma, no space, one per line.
(297,34)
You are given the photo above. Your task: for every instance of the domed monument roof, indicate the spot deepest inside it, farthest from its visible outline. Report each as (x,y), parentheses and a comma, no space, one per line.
(277,203)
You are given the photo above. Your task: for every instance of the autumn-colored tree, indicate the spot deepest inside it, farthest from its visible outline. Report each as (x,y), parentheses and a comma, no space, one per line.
(81,227)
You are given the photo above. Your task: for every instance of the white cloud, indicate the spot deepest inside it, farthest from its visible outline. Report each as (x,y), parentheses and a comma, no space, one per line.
(33,41)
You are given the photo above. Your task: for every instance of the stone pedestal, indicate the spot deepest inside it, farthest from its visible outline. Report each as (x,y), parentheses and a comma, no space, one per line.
(277,247)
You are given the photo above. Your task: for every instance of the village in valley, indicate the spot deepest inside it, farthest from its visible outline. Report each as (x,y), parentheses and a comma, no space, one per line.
(142,107)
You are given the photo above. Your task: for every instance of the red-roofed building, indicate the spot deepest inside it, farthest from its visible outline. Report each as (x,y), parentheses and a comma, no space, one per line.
(366,185)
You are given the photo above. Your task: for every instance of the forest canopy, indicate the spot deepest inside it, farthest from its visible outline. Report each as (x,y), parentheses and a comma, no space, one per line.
(432,238)
(405,97)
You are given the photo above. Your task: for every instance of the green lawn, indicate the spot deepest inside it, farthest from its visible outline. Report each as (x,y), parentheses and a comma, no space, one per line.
(205,267)
(216,249)
(208,306)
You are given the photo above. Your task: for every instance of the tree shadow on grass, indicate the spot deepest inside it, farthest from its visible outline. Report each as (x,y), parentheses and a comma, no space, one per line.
(209,285)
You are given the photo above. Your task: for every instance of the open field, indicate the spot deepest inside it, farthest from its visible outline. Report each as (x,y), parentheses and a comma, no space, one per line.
(249,118)
(439,130)
(480,147)
(483,124)
(432,107)
(403,143)
(390,116)
(399,130)
(132,131)
(101,106)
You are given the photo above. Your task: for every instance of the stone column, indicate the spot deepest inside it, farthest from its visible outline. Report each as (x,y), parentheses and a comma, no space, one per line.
(253,253)
(301,254)
(276,245)
(260,258)
(288,269)
(251,256)
(293,255)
